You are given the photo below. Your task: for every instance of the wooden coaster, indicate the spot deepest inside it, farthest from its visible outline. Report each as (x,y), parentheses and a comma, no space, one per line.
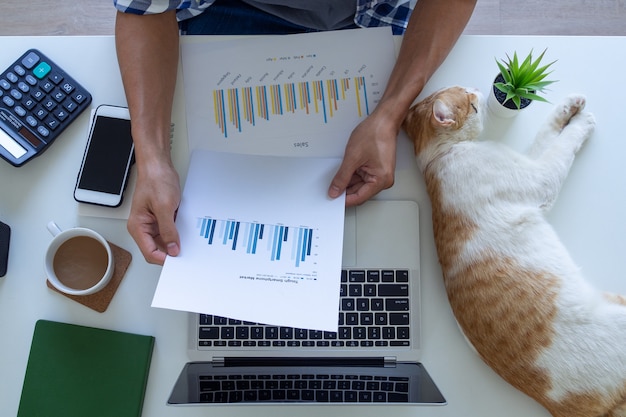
(100,301)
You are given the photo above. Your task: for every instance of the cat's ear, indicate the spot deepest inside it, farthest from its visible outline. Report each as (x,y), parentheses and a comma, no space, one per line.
(442,113)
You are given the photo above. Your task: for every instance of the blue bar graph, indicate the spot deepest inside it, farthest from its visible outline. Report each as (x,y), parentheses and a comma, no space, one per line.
(249,237)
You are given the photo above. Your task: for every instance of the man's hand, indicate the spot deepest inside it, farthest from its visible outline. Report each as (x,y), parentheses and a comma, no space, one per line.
(369,162)
(151,221)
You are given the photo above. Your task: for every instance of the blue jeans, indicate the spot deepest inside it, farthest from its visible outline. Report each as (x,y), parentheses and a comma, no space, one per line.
(234,17)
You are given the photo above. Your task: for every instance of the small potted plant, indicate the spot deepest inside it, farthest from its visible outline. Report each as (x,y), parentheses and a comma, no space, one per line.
(518,84)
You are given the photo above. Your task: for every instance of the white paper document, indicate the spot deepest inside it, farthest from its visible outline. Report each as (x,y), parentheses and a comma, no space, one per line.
(268,119)
(297,95)
(260,241)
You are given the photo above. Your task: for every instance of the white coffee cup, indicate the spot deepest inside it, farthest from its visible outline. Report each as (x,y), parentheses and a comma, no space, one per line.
(79,261)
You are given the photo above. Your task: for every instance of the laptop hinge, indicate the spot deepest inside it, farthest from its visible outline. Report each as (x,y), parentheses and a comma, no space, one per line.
(387,361)
(390,361)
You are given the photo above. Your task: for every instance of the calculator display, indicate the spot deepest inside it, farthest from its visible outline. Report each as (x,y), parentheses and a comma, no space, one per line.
(38,100)
(11,146)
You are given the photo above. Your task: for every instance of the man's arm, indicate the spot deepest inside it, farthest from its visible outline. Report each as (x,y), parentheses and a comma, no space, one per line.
(369,161)
(147,51)
(433,30)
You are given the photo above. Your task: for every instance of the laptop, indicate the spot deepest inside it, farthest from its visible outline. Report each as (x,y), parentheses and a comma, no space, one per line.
(372,359)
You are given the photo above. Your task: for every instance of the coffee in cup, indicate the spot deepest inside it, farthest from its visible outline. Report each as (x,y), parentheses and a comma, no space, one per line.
(78,261)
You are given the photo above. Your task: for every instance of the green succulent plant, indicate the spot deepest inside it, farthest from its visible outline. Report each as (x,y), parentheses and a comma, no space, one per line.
(523,80)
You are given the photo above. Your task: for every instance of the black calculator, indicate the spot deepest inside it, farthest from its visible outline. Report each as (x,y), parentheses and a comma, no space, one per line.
(38,100)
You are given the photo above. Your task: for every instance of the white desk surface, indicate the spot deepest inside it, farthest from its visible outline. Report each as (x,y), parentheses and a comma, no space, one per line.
(588,217)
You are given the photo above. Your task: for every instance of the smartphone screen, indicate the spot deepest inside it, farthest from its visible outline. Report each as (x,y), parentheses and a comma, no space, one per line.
(107,158)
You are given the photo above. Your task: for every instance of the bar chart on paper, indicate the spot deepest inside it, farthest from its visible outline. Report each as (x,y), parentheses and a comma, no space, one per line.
(288,95)
(236,109)
(274,242)
(260,230)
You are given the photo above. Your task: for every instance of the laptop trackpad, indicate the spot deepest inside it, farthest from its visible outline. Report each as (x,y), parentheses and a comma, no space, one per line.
(382,232)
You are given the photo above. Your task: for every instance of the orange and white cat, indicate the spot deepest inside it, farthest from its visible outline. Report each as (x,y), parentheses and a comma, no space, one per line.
(516,293)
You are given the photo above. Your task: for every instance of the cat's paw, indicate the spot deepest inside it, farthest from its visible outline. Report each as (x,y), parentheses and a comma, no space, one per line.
(585,122)
(580,128)
(565,111)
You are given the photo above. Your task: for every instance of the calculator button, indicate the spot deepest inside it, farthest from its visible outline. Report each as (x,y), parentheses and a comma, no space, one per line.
(43,131)
(19,70)
(67,87)
(5,84)
(31,80)
(23,86)
(61,113)
(70,105)
(31,121)
(29,103)
(30,60)
(49,104)
(47,86)
(79,97)
(16,94)
(41,113)
(8,101)
(12,77)
(38,95)
(52,123)
(56,78)
(58,96)
(41,70)
(20,111)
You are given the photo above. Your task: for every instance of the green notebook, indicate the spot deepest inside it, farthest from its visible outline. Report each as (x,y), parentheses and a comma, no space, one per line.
(83,371)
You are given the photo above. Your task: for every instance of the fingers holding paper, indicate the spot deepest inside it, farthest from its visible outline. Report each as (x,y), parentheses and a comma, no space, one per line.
(368,164)
(152,215)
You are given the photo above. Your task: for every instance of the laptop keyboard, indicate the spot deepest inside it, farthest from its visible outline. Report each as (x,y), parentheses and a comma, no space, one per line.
(350,388)
(374,312)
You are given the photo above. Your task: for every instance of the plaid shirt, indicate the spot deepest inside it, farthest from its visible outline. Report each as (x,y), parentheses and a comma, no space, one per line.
(394,13)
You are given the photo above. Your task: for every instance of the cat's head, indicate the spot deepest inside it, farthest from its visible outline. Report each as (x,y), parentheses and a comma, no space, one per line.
(445,117)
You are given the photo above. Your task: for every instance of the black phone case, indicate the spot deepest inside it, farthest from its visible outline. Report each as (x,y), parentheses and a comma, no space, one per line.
(5,236)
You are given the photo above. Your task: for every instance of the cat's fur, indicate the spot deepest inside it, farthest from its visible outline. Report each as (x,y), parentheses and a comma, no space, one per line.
(515,291)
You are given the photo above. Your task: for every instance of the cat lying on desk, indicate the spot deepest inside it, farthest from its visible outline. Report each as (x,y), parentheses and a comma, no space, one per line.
(514,289)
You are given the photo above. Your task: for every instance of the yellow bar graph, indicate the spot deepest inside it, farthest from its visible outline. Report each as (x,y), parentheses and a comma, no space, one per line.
(323,98)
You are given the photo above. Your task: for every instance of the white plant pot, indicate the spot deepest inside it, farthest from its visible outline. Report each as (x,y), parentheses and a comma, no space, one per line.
(498,109)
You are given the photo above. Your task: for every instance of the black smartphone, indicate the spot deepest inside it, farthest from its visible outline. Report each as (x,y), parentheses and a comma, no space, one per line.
(108,158)
(5,238)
